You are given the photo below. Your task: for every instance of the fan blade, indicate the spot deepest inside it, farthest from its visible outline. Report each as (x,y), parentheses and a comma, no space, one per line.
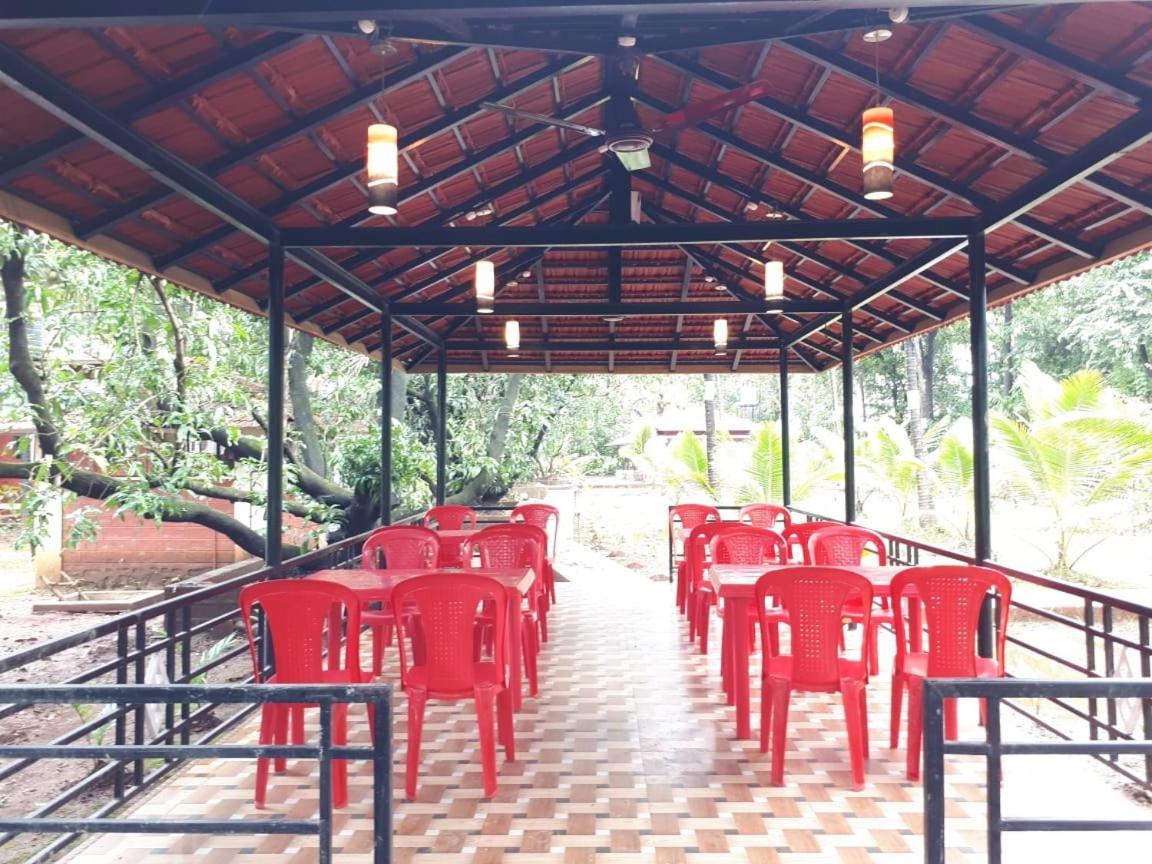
(590,131)
(690,115)
(634,160)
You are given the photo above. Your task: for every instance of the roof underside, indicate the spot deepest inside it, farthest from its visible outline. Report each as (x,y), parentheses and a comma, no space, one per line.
(995,108)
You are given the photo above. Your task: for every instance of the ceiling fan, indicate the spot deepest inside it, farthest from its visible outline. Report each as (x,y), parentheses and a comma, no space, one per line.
(626,137)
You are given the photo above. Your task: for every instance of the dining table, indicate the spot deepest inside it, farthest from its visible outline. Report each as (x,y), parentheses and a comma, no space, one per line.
(735,586)
(375,586)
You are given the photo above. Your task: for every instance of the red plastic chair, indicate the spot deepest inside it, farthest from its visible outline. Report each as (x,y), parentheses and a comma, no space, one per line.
(771,516)
(848,546)
(298,613)
(450,517)
(797,537)
(951,596)
(395,547)
(701,595)
(681,520)
(813,600)
(546,517)
(447,607)
(519,545)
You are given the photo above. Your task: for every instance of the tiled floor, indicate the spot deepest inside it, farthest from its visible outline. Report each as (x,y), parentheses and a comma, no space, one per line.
(628,755)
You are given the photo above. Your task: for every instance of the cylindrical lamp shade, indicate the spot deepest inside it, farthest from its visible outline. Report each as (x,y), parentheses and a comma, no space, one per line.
(773,280)
(512,337)
(878,150)
(383,170)
(484,279)
(720,336)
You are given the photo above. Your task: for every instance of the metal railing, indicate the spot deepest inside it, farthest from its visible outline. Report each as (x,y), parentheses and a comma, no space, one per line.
(994,748)
(377,697)
(181,640)
(1092,635)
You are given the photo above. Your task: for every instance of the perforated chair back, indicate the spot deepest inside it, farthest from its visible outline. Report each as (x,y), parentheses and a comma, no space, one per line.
(543,516)
(846,546)
(441,611)
(697,550)
(797,538)
(401,547)
(298,613)
(744,544)
(684,517)
(771,516)
(813,599)
(952,596)
(450,517)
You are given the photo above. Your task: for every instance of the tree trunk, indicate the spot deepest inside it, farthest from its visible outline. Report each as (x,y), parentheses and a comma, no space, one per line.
(1145,362)
(1008,379)
(475,488)
(710,426)
(924,505)
(928,376)
(303,420)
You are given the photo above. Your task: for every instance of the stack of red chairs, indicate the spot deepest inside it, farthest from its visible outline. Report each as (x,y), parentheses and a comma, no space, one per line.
(450,517)
(681,520)
(547,518)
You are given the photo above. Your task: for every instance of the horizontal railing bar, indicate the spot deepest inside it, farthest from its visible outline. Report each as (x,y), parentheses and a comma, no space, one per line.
(1049,748)
(178,751)
(166,826)
(1048,655)
(1035,688)
(1033,824)
(163,694)
(1105,635)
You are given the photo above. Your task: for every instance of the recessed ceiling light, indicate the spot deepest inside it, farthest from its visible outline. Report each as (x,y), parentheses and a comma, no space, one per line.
(626,41)
(708,277)
(613,319)
(877,34)
(527,274)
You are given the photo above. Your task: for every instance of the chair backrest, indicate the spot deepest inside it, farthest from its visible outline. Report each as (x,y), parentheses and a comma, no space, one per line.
(846,546)
(440,610)
(542,515)
(797,538)
(511,545)
(684,517)
(298,613)
(450,517)
(401,546)
(771,516)
(951,596)
(814,599)
(697,550)
(744,544)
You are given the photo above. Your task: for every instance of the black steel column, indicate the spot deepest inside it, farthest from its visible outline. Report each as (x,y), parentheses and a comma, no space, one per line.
(442,425)
(274,540)
(846,361)
(386,418)
(785,444)
(981,488)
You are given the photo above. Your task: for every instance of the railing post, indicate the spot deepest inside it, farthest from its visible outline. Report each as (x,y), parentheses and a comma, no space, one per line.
(1146,704)
(138,733)
(981,490)
(994,772)
(121,725)
(324,757)
(785,444)
(386,418)
(442,425)
(382,780)
(846,370)
(274,541)
(933,774)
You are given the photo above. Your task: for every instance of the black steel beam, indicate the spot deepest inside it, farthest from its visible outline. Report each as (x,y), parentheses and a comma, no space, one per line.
(154,100)
(847,398)
(356,98)
(605,345)
(785,433)
(632,235)
(274,509)
(517,309)
(441,425)
(386,419)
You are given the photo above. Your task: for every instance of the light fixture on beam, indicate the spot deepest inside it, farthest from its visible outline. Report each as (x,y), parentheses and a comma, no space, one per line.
(720,336)
(773,280)
(512,338)
(484,280)
(383,170)
(878,150)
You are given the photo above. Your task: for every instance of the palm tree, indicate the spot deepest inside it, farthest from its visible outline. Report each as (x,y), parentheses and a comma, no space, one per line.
(953,469)
(1076,447)
(813,465)
(888,463)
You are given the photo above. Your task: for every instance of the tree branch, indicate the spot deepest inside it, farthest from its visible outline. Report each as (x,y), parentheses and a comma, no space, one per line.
(299,350)
(179,365)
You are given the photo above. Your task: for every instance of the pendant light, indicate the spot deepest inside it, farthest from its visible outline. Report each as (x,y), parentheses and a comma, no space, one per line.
(484,280)
(512,337)
(720,336)
(773,280)
(878,143)
(383,173)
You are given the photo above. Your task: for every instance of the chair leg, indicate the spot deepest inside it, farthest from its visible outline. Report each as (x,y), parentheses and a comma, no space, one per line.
(551,584)
(852,693)
(543,619)
(692,603)
(377,649)
(873,636)
(267,736)
(530,650)
(506,724)
(915,726)
(703,614)
(951,720)
(780,692)
(485,699)
(417,699)
(340,766)
(895,710)
(681,589)
(280,733)
(765,715)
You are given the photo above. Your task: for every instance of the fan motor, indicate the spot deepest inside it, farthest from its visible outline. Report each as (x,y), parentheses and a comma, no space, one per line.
(629,142)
